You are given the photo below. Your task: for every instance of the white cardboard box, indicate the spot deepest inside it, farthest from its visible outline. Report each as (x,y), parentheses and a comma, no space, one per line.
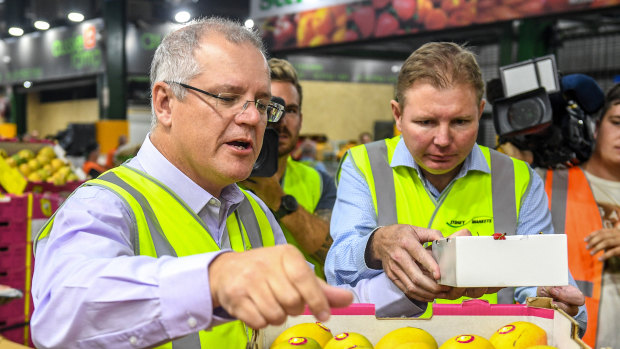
(471,317)
(519,260)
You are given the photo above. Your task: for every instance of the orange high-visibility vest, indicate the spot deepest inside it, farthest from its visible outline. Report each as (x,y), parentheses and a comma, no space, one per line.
(574,212)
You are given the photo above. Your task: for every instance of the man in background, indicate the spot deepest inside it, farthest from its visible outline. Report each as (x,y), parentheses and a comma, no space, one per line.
(300,196)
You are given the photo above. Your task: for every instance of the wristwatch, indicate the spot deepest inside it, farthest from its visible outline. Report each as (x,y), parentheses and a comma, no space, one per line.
(288,205)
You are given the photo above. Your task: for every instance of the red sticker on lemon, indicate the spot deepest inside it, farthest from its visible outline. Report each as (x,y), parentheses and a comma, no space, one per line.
(341,336)
(323,327)
(506,329)
(465,339)
(297,341)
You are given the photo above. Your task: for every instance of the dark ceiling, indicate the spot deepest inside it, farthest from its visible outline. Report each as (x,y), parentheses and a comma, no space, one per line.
(138,11)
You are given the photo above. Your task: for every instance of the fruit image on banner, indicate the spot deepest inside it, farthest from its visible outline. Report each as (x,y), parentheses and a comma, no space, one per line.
(382,18)
(519,334)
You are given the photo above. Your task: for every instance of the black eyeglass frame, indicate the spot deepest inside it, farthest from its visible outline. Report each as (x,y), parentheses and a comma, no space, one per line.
(276,113)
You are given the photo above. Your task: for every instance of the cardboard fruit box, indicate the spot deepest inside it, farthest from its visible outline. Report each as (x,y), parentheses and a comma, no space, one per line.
(475,317)
(519,260)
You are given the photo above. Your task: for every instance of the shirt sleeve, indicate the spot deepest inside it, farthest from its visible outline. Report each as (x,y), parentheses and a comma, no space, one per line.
(535,217)
(353,220)
(90,290)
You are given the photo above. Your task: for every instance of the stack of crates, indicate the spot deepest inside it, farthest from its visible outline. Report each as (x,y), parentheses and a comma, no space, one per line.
(20,217)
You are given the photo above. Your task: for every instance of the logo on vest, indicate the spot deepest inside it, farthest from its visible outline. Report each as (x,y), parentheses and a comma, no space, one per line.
(455,223)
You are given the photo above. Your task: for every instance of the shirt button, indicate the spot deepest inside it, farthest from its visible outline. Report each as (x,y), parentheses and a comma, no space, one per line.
(133,340)
(192,322)
(215,202)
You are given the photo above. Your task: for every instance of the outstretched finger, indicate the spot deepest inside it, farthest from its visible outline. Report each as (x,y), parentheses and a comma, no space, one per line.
(423,257)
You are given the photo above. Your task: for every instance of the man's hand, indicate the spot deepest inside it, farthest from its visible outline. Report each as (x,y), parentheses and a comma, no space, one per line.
(263,286)
(266,188)
(607,240)
(568,298)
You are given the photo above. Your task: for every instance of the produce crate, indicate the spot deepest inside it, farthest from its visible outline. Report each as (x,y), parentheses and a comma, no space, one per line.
(13,255)
(449,320)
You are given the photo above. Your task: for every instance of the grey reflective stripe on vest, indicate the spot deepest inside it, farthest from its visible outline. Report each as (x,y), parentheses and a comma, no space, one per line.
(384,183)
(161,244)
(250,222)
(506,295)
(503,189)
(559,195)
(586,287)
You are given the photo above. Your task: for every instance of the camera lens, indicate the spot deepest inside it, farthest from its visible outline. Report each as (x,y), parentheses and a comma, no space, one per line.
(525,113)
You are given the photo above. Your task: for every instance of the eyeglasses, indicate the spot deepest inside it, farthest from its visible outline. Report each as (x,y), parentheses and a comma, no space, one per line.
(232,102)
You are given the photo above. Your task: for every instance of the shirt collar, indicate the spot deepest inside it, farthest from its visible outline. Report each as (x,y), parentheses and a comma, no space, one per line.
(155,164)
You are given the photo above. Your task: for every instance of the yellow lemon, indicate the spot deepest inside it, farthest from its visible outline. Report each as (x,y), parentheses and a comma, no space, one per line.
(24,169)
(56,164)
(347,340)
(314,330)
(298,342)
(519,334)
(404,335)
(467,341)
(47,151)
(413,345)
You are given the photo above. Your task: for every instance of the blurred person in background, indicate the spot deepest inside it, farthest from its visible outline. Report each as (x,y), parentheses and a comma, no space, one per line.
(91,166)
(300,196)
(585,204)
(111,156)
(364,137)
(396,194)
(167,248)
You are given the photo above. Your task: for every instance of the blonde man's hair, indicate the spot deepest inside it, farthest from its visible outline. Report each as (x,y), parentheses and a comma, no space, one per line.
(442,64)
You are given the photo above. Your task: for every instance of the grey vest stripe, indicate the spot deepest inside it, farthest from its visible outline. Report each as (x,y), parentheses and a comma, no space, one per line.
(503,189)
(384,183)
(250,222)
(559,195)
(225,242)
(587,287)
(191,341)
(162,246)
(506,295)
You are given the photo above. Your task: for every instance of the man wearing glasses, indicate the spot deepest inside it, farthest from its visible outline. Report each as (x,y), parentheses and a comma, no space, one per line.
(166,246)
(300,196)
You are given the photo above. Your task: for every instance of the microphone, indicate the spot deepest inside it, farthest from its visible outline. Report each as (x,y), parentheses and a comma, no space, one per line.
(585,91)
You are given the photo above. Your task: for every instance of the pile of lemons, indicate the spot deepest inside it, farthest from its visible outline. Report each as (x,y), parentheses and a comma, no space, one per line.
(519,334)
(43,166)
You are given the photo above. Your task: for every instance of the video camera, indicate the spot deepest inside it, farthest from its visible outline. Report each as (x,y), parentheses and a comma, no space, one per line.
(266,164)
(536,110)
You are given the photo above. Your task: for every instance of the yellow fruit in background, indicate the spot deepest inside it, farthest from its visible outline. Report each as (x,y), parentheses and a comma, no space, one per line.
(47,151)
(72,177)
(18,159)
(11,162)
(404,335)
(347,340)
(3,153)
(34,177)
(26,154)
(519,334)
(48,168)
(24,169)
(298,342)
(56,164)
(33,164)
(467,341)
(314,330)
(43,159)
(413,345)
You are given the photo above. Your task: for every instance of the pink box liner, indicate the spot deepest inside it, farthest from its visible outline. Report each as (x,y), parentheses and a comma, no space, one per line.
(473,307)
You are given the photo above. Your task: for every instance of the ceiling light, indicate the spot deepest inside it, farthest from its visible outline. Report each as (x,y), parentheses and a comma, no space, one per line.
(16,31)
(41,25)
(75,17)
(249,23)
(182,16)
(27,84)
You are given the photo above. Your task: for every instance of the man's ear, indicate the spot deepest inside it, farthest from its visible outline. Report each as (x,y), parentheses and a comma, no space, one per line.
(397,113)
(163,98)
